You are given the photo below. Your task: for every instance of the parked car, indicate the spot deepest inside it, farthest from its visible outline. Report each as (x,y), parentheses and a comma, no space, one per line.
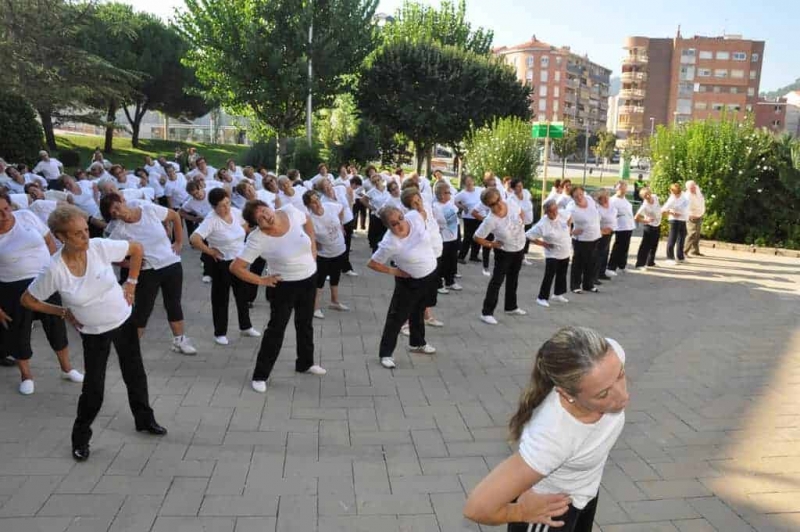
(642,163)
(615,158)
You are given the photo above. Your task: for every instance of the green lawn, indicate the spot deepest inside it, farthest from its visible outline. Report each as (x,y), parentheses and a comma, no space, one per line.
(130,157)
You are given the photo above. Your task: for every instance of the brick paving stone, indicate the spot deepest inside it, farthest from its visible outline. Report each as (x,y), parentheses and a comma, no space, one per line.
(711,439)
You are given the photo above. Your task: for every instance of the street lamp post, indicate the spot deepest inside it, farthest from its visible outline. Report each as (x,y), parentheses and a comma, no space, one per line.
(309,109)
(585,150)
(652,125)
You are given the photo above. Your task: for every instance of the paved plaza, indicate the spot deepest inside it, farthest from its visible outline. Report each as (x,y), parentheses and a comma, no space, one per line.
(712,440)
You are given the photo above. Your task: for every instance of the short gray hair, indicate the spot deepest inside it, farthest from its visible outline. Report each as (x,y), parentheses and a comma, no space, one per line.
(62,216)
(440,187)
(549,203)
(386,211)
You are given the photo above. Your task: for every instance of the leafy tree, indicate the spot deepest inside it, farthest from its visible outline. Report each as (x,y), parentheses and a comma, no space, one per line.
(605,147)
(565,147)
(22,135)
(443,92)
(252,56)
(44,62)
(448,26)
(504,147)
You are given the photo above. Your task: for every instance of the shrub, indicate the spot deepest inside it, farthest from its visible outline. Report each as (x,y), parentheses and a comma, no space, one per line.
(70,158)
(506,148)
(260,154)
(20,134)
(305,158)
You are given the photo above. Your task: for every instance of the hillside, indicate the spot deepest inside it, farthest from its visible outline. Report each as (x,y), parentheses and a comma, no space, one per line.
(782,91)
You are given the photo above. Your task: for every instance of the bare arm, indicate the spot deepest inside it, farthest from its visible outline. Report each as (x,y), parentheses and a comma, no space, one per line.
(241,269)
(308,227)
(487,243)
(382,268)
(196,241)
(490,503)
(177,229)
(51,243)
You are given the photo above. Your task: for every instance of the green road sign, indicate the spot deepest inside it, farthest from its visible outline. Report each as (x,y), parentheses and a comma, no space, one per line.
(553,130)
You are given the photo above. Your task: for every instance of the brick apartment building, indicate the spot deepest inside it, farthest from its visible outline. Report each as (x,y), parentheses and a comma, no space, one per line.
(681,79)
(771,115)
(565,86)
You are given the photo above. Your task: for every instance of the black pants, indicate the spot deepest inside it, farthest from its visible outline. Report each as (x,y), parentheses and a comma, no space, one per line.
(554,269)
(601,256)
(222,281)
(447,263)
(677,237)
(527,242)
(330,267)
(619,253)
(485,252)
(574,521)
(468,244)
(583,264)
(349,228)
(206,260)
(408,303)
(375,232)
(96,348)
(285,297)
(257,268)
(360,215)
(646,256)
(16,340)
(169,280)
(506,268)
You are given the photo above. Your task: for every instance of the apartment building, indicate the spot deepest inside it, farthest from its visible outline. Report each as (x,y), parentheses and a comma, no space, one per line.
(565,86)
(681,79)
(792,119)
(771,114)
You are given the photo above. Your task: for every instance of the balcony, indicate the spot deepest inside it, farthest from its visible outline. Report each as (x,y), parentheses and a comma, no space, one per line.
(632,94)
(631,109)
(635,59)
(629,77)
(575,69)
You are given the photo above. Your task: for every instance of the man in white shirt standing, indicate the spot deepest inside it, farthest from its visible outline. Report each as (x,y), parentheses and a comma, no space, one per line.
(51,168)
(697,208)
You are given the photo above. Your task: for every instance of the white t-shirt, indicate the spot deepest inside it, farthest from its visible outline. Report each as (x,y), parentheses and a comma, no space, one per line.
(96,299)
(588,220)
(470,200)
(154,182)
(145,193)
(328,231)
(228,238)
(608,217)
(20,200)
(131,181)
(525,204)
(509,229)
(435,234)
(14,187)
(624,208)
(85,200)
(377,199)
(651,210)
(175,191)
(296,200)
(341,199)
(23,251)
(51,169)
(197,207)
(267,197)
(33,178)
(208,176)
(679,204)
(697,203)
(289,255)
(555,232)
(413,254)
(43,208)
(150,232)
(446,215)
(569,453)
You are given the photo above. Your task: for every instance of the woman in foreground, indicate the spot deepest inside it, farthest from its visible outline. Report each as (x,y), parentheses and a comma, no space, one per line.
(568,419)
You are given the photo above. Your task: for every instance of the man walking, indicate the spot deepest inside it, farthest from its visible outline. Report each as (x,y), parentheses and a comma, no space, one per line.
(697,208)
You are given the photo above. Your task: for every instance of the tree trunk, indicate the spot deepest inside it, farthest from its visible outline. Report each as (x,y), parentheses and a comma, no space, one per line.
(563,167)
(420,155)
(428,162)
(108,147)
(47,124)
(280,147)
(135,133)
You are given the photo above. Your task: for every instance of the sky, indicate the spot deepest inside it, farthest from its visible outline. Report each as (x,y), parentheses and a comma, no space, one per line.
(598,28)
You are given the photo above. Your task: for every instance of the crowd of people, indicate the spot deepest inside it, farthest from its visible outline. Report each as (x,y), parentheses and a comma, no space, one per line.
(95,248)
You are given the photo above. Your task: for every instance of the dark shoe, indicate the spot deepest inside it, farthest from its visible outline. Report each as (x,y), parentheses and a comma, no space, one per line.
(471,259)
(604,278)
(598,283)
(462,261)
(8,362)
(81,454)
(153,428)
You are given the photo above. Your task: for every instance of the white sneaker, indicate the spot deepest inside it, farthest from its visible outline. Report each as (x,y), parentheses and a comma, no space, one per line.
(351,273)
(489,319)
(259,386)
(182,345)
(560,299)
(339,306)
(433,322)
(487,273)
(457,276)
(251,333)
(517,312)
(443,290)
(426,349)
(405,330)
(316,370)
(388,362)
(455,286)
(26,387)
(671,262)
(221,340)
(319,315)
(578,291)
(526,262)
(611,273)
(543,303)
(206,279)
(72,375)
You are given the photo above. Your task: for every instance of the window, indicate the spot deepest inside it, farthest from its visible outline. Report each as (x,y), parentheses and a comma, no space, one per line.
(723,56)
(721,73)
(754,58)
(700,106)
(753,74)
(749,108)
(704,72)
(751,91)
(737,74)
(733,107)
(530,61)
(734,90)
(543,90)
(543,76)
(557,77)
(687,56)
(544,61)
(555,107)
(558,61)
(685,88)
(684,106)
(556,91)
(542,106)
(717,89)
(739,56)
(702,88)
(687,73)
(705,54)
(529,75)
(717,106)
